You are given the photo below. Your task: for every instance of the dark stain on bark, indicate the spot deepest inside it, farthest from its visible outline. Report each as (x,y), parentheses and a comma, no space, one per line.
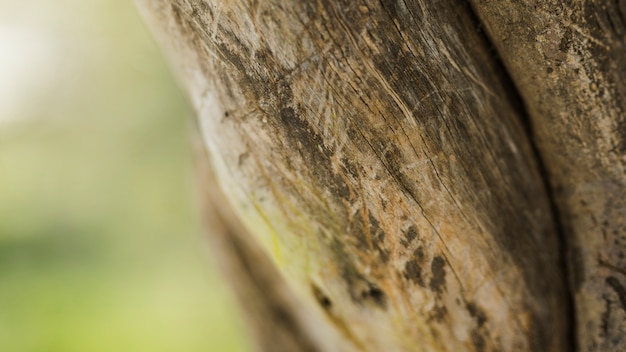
(310,145)
(411,234)
(478,340)
(438,314)
(378,238)
(365,293)
(413,268)
(566,41)
(413,272)
(477,313)
(361,290)
(619,290)
(375,295)
(418,254)
(438,279)
(377,232)
(478,332)
(321,298)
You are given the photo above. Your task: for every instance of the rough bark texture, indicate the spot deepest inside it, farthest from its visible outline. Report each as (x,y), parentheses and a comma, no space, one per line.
(374,151)
(568,60)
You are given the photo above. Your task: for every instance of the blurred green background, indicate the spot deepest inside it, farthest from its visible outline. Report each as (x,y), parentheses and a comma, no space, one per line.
(101,247)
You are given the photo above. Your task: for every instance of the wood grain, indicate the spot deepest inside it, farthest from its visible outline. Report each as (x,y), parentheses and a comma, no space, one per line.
(376,152)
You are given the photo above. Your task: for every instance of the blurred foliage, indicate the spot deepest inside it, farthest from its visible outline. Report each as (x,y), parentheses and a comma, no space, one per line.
(101,247)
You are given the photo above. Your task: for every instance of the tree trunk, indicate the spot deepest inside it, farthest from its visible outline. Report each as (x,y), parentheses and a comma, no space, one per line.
(371,178)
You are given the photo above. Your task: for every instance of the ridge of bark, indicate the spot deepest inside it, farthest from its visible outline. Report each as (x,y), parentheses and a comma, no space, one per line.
(518,101)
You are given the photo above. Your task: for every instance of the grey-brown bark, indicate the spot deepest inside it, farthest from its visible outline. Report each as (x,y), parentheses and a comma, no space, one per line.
(568,59)
(373,151)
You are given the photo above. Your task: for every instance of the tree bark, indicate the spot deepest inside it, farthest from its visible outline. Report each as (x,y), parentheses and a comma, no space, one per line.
(568,60)
(372,184)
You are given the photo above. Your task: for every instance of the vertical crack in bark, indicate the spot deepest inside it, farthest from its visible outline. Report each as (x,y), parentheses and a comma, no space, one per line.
(516,99)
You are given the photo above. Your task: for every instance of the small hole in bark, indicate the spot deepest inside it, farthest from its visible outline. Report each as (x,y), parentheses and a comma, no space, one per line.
(321,298)
(376,294)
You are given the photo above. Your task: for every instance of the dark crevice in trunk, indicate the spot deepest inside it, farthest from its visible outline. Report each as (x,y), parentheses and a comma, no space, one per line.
(516,99)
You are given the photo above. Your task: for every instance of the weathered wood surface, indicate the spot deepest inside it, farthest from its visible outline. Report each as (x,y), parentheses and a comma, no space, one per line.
(568,59)
(373,149)
(278,320)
